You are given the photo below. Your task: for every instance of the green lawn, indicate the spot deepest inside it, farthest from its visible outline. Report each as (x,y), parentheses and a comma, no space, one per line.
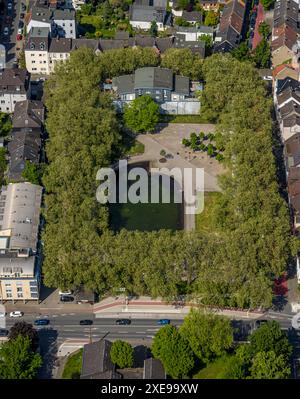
(147,217)
(213,370)
(183,119)
(204,220)
(72,368)
(136,149)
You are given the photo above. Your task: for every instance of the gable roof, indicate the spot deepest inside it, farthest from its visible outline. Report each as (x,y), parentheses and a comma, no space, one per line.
(283,84)
(12,80)
(28,114)
(153,77)
(24,146)
(153,369)
(287,38)
(290,109)
(192,16)
(96,362)
(289,94)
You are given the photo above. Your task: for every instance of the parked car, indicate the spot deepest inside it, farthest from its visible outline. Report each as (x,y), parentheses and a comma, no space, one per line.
(3,332)
(19,37)
(123,322)
(163,322)
(8,19)
(86,322)
(66,298)
(9,6)
(5,31)
(252,21)
(16,313)
(21,24)
(65,292)
(20,31)
(22,15)
(23,7)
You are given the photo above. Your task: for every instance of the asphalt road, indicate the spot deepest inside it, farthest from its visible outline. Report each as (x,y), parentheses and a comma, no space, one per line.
(10,40)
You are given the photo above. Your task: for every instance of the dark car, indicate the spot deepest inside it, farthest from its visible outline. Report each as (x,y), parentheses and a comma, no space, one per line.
(21,24)
(86,322)
(22,15)
(252,22)
(41,322)
(66,298)
(123,322)
(23,7)
(3,332)
(163,322)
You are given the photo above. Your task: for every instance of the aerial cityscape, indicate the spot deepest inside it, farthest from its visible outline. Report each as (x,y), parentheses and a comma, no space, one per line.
(149,191)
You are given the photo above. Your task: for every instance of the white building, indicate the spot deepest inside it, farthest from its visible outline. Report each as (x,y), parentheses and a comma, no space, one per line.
(19,224)
(36,51)
(60,22)
(14,87)
(144,12)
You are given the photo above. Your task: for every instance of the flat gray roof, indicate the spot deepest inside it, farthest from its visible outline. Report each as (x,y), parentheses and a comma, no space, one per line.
(153,77)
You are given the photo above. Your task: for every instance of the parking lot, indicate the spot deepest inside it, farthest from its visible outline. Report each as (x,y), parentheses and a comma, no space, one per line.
(12,23)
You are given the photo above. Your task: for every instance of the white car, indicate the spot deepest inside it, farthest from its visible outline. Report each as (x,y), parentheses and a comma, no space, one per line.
(20,31)
(9,6)
(65,292)
(16,313)
(5,31)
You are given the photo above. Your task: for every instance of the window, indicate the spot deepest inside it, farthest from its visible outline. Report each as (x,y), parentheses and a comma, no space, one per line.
(19,289)
(71,31)
(33,290)
(2,101)
(32,55)
(7,284)
(20,295)
(9,295)
(34,69)
(34,296)
(33,62)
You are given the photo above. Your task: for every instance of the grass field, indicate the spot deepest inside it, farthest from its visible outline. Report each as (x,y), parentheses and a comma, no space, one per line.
(213,370)
(183,119)
(72,368)
(205,220)
(146,217)
(136,149)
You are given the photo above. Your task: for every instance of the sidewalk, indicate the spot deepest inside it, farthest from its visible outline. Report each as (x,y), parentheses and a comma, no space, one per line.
(259,19)
(145,307)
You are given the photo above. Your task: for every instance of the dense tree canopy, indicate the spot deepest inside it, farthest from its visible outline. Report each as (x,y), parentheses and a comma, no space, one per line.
(142,114)
(25,330)
(5,124)
(173,351)
(17,360)
(209,335)
(121,354)
(183,62)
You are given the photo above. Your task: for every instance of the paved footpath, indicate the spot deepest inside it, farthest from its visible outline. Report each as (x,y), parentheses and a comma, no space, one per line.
(259,19)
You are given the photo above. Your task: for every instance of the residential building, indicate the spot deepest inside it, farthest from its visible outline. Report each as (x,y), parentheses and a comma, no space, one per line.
(285,71)
(36,51)
(230,31)
(192,17)
(194,33)
(197,46)
(14,87)
(285,31)
(212,5)
(172,92)
(29,114)
(143,12)
(20,205)
(60,22)
(96,364)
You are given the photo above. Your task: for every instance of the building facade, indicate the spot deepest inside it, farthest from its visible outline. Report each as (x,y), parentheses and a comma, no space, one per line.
(14,87)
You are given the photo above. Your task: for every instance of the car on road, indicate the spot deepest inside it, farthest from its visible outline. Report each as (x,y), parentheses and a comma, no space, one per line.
(123,322)
(66,298)
(23,7)
(86,322)
(163,322)
(19,37)
(16,313)
(22,15)
(3,332)
(9,6)
(20,31)
(41,322)
(6,31)
(8,19)
(21,24)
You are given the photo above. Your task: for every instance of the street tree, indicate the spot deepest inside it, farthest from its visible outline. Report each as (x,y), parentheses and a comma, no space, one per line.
(209,335)
(268,365)
(121,354)
(173,351)
(25,330)
(17,359)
